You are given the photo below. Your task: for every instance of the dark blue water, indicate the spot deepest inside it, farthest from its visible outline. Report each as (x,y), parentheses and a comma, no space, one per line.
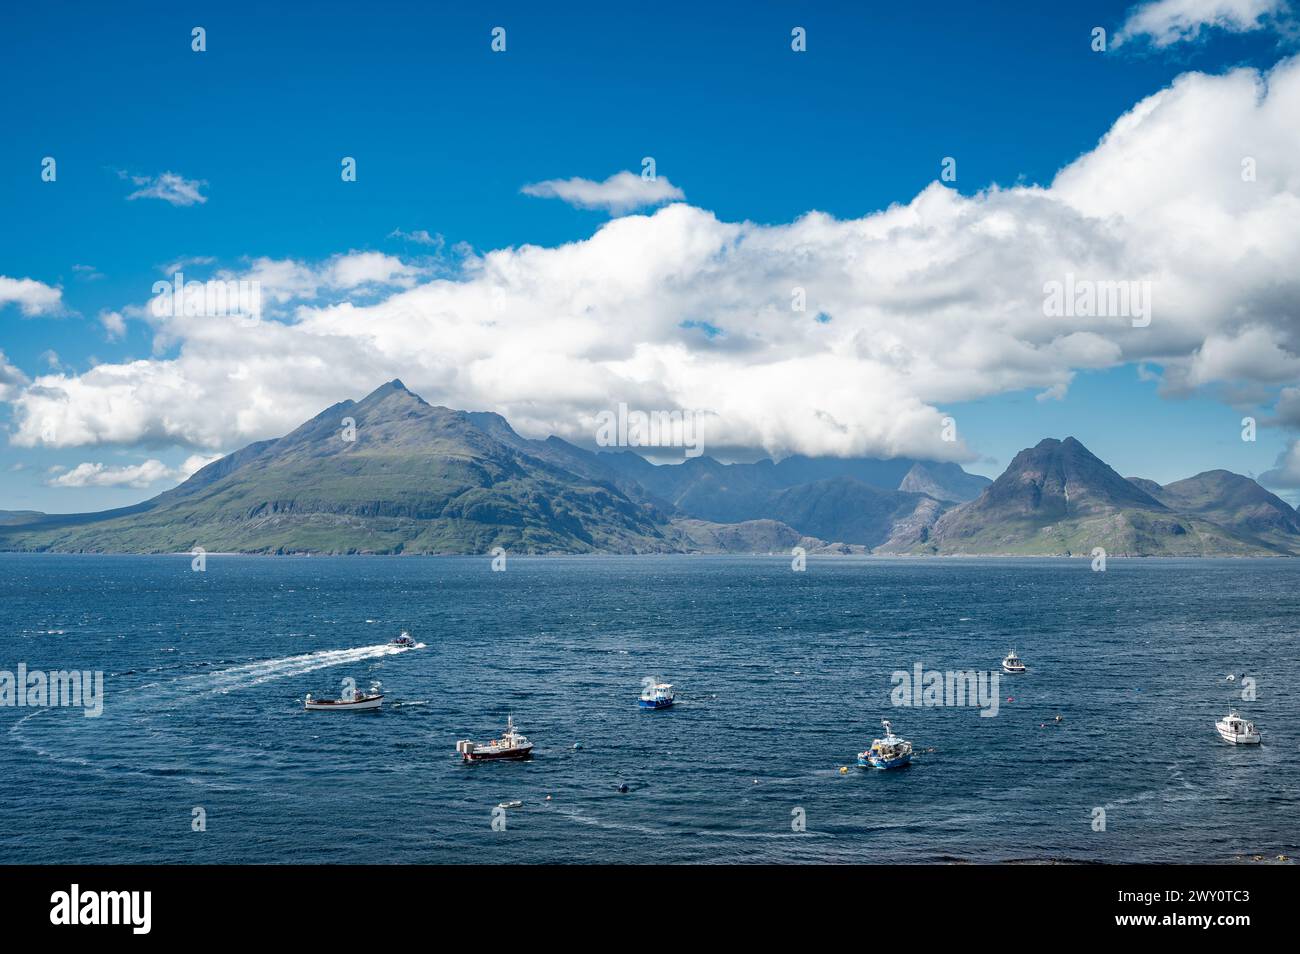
(782,676)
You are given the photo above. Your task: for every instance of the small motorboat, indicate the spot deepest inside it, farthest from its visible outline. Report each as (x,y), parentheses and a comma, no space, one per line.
(350,700)
(511,745)
(658,695)
(515,804)
(1011,663)
(887,753)
(404,640)
(1233,728)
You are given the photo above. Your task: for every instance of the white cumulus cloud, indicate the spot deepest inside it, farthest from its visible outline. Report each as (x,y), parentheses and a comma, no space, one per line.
(113,323)
(1166,22)
(621,192)
(908,311)
(11,379)
(1286,472)
(286,280)
(32,297)
(144,474)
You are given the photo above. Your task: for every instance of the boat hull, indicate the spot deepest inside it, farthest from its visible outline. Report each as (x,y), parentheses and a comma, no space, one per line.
(510,755)
(1014,672)
(655,703)
(322,705)
(1234,738)
(879,763)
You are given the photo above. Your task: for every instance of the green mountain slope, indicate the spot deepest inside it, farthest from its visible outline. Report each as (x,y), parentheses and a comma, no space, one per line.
(1236,503)
(1057,498)
(424,479)
(417,478)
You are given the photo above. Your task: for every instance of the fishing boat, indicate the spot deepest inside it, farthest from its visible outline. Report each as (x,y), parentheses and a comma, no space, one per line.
(1011,663)
(511,745)
(887,753)
(1233,728)
(404,640)
(657,695)
(350,700)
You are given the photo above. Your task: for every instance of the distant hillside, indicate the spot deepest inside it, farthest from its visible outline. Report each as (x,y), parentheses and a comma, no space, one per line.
(1057,498)
(720,491)
(1236,503)
(425,479)
(943,481)
(859,501)
(417,478)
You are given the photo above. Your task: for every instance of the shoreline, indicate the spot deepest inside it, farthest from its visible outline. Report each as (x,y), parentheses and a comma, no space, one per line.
(919,557)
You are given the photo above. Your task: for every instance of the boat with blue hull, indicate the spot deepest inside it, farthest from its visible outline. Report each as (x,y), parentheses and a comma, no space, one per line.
(656,695)
(888,753)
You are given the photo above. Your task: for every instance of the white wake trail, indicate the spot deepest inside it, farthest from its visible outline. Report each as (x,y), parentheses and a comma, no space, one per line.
(268,670)
(155,698)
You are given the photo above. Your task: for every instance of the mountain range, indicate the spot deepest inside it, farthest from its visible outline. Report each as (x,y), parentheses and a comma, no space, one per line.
(410,477)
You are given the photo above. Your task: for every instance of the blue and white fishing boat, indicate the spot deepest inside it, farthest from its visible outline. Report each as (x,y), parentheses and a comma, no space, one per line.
(887,753)
(658,695)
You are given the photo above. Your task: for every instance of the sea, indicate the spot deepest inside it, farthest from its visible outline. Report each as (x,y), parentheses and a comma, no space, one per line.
(202,753)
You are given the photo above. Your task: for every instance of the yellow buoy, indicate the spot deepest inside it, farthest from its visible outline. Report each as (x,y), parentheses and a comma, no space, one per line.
(844,770)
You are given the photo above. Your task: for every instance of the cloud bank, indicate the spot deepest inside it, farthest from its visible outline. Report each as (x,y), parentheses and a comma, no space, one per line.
(141,475)
(904,311)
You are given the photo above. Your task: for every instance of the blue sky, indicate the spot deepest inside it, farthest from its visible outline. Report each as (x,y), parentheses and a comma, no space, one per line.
(446,133)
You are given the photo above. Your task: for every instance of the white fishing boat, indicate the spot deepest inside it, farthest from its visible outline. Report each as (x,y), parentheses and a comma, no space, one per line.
(1012,663)
(350,700)
(512,745)
(1233,728)
(357,702)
